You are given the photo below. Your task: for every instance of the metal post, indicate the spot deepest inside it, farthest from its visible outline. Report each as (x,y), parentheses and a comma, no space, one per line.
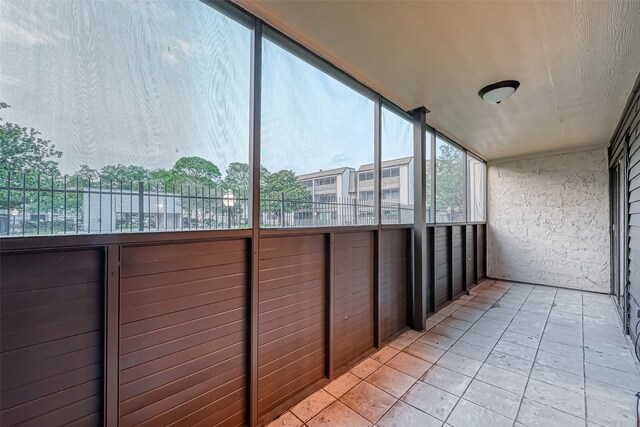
(355,211)
(254,208)
(282,209)
(140,206)
(419,223)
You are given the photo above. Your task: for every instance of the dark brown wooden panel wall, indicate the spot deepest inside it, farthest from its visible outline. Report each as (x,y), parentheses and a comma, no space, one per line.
(353,302)
(394,245)
(443,260)
(481,251)
(51,331)
(458,260)
(470,256)
(183,334)
(291,352)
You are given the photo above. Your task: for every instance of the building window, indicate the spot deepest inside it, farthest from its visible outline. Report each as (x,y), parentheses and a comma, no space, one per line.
(450,166)
(390,173)
(391,194)
(325,181)
(365,176)
(366,195)
(325,198)
(308,183)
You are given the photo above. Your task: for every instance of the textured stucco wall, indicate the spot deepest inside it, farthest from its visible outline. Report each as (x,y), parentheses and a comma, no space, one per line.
(548,220)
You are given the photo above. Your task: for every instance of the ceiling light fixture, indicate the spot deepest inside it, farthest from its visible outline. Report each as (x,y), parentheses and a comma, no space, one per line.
(498,92)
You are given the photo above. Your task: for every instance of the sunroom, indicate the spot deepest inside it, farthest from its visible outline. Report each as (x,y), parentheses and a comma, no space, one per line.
(357,213)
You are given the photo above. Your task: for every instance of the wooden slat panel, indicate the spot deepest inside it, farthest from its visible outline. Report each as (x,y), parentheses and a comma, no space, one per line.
(458,260)
(471,254)
(51,330)
(291,342)
(393,282)
(353,310)
(183,333)
(481,254)
(442,267)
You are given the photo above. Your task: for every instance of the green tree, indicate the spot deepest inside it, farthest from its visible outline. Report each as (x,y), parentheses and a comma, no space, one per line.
(27,161)
(449,179)
(85,172)
(21,149)
(283,185)
(237,178)
(126,174)
(196,171)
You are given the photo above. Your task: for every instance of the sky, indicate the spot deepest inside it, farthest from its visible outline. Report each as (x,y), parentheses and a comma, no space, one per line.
(145,83)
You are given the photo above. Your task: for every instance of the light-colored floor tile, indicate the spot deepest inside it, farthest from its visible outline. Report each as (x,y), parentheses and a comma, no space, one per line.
(479,340)
(467,414)
(610,394)
(437,340)
(525,340)
(448,331)
(286,420)
(424,351)
(431,400)
(428,325)
(384,354)
(339,415)
(390,380)
(456,323)
(514,349)
(436,317)
(342,384)
(409,364)
(563,363)
(467,317)
(609,415)
(612,376)
(365,368)
(448,309)
(312,405)
(493,398)
(534,414)
(570,338)
(509,362)
(556,397)
(558,378)
(368,401)
(502,378)
(411,334)
(401,342)
(403,415)
(525,329)
(447,380)
(622,361)
(460,364)
(471,351)
(561,349)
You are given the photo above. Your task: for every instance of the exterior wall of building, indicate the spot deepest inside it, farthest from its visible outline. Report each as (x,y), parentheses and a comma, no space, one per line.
(548,220)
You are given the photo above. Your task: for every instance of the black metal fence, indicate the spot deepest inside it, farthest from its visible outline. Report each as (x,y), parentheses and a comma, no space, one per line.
(36,205)
(32,204)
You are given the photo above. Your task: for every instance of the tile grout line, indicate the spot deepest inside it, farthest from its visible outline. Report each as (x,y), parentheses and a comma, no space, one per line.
(432,364)
(535,357)
(492,349)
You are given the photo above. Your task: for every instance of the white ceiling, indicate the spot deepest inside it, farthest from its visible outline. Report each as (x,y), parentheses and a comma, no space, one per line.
(576,61)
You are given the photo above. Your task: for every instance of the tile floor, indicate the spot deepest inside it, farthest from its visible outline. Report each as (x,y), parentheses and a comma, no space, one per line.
(505,355)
